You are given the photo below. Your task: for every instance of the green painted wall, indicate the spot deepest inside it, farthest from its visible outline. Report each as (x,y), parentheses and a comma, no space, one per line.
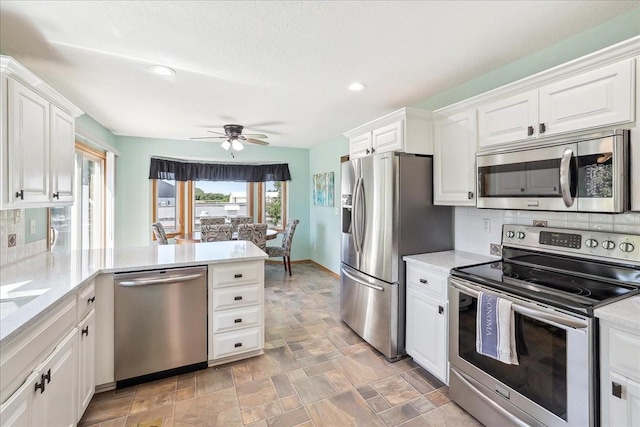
(87,123)
(324,237)
(40,217)
(611,32)
(133,188)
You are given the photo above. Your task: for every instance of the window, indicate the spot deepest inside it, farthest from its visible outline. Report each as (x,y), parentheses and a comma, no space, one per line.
(273,203)
(167,205)
(82,225)
(219,198)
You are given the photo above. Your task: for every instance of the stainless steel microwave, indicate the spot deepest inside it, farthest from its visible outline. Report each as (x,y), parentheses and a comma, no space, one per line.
(587,174)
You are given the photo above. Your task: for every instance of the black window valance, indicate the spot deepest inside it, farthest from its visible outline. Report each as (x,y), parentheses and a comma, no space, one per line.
(191,171)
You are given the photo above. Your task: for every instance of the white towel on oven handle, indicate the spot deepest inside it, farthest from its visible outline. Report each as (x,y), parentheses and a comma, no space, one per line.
(495,329)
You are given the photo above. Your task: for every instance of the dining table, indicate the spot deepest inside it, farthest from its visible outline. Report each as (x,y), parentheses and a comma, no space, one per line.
(194,237)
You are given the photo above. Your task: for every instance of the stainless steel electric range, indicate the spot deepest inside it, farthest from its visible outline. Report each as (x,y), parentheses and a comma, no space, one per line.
(554,279)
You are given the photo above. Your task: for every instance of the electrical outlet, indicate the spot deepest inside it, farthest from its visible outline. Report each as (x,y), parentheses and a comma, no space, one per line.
(495,249)
(12,240)
(32,226)
(486,225)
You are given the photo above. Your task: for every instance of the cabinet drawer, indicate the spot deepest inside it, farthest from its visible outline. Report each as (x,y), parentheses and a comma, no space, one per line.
(230,343)
(238,273)
(624,348)
(237,296)
(427,281)
(239,318)
(86,300)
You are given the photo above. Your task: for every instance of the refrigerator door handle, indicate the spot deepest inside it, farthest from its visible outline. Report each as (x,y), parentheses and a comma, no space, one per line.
(362,282)
(357,209)
(361,214)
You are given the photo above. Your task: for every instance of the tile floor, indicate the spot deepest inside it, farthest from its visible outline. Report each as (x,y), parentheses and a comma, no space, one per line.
(315,372)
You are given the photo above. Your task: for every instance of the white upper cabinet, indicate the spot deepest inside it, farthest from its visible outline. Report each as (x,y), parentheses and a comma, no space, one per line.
(37,166)
(596,98)
(406,130)
(454,160)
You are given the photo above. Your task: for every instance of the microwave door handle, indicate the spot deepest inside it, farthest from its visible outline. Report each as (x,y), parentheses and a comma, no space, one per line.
(565,177)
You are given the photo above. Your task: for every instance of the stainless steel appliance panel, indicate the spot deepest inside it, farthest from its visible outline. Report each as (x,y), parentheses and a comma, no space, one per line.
(349,255)
(556,391)
(375,200)
(369,306)
(160,320)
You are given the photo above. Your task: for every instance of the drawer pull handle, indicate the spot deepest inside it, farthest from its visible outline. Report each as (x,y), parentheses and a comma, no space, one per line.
(85,330)
(56,195)
(237,321)
(47,376)
(238,344)
(91,300)
(237,275)
(530,131)
(616,390)
(20,195)
(542,128)
(424,281)
(40,385)
(238,298)
(440,309)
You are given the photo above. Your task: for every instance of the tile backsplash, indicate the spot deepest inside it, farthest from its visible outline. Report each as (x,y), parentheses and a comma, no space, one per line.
(12,238)
(476,229)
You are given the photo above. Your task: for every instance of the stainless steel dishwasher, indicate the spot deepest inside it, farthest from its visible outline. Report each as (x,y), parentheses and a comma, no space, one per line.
(160,323)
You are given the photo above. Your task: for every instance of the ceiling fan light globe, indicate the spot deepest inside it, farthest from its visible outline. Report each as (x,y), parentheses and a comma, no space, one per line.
(226,144)
(237,145)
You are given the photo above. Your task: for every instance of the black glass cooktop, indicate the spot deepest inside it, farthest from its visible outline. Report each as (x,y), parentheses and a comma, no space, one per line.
(576,285)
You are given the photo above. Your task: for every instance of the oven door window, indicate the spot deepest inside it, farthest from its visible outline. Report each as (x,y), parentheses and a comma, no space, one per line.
(527,179)
(541,375)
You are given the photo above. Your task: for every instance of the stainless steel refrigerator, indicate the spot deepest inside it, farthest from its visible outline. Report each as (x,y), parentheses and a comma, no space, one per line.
(387,212)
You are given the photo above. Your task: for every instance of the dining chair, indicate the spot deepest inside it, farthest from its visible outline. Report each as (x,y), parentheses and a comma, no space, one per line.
(213,220)
(216,232)
(158,231)
(255,233)
(285,250)
(240,219)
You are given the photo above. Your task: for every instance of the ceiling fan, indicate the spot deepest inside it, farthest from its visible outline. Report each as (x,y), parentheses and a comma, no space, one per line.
(233,137)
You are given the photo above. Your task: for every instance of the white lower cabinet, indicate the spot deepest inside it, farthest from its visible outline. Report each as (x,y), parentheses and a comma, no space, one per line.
(620,375)
(53,400)
(16,410)
(236,307)
(86,361)
(427,320)
(426,332)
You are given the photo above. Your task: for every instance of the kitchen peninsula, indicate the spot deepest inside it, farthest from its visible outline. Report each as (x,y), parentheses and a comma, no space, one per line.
(52,302)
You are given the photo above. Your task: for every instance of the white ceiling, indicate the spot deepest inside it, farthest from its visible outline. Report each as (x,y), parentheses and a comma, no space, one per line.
(279,67)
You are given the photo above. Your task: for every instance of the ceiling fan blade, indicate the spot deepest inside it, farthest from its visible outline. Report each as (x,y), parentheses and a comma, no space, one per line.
(256,141)
(210,137)
(254,135)
(219,133)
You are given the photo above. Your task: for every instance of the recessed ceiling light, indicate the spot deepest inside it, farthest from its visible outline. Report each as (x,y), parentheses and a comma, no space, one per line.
(162,70)
(356,86)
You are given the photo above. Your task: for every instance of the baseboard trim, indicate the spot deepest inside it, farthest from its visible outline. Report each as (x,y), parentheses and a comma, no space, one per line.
(307,261)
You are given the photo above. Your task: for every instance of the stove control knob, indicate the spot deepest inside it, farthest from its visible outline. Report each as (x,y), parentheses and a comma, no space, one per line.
(591,243)
(510,234)
(608,245)
(626,247)
(520,235)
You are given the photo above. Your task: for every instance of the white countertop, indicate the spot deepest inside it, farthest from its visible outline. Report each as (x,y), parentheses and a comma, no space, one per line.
(32,287)
(445,261)
(625,312)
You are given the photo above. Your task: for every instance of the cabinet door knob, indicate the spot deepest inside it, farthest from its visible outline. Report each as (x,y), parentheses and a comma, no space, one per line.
(47,376)
(542,128)
(616,389)
(40,385)
(373,150)
(425,281)
(85,330)
(530,131)
(440,309)
(470,195)
(367,151)
(20,194)
(91,300)
(56,195)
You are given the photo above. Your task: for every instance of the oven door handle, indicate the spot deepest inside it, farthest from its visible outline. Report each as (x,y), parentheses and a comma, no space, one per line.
(565,177)
(553,318)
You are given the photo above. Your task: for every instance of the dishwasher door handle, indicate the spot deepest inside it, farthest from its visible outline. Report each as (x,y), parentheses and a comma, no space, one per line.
(170,279)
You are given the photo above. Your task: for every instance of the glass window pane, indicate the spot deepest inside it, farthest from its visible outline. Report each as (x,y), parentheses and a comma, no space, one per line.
(273,198)
(219,198)
(166,210)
